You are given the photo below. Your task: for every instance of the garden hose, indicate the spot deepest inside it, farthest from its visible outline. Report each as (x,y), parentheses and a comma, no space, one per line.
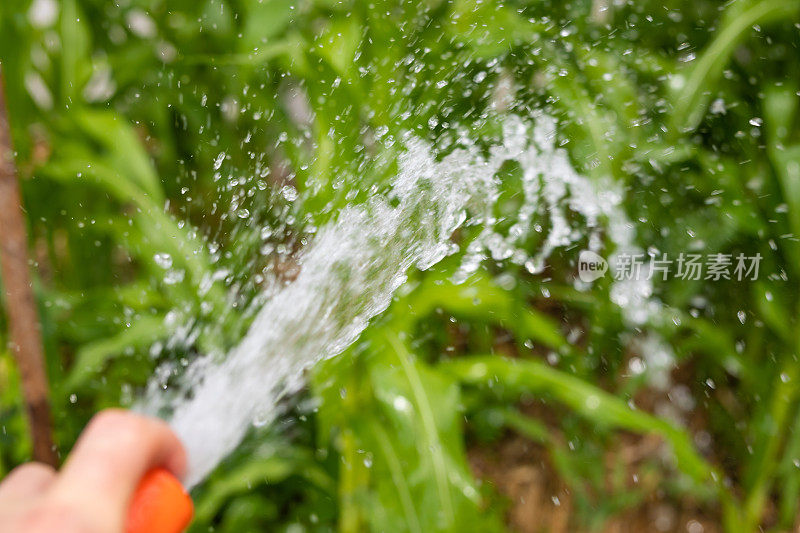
(159,505)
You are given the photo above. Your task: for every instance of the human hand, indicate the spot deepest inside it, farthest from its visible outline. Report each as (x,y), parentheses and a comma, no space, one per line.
(91,493)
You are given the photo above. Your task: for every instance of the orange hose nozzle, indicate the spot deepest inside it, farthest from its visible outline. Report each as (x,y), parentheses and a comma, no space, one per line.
(159,505)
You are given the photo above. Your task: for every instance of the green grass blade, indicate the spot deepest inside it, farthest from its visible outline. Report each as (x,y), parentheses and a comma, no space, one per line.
(692,96)
(593,403)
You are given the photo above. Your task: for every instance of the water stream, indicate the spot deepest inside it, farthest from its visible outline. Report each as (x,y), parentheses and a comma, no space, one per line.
(351,268)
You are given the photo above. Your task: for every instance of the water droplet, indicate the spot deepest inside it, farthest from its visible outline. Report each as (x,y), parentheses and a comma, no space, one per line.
(693,526)
(402,404)
(592,402)
(163,260)
(218,161)
(289,193)
(718,107)
(637,366)
(262,419)
(173,277)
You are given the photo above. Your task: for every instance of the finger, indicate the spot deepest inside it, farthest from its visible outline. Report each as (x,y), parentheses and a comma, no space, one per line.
(115,450)
(25,482)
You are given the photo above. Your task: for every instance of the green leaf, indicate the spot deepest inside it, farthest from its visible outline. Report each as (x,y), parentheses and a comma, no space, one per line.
(489,30)
(91,358)
(402,419)
(780,110)
(772,306)
(76,66)
(265,20)
(694,88)
(123,148)
(339,43)
(480,299)
(271,469)
(595,404)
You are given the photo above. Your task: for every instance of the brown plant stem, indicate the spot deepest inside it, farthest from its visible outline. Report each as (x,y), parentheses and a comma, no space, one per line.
(24,328)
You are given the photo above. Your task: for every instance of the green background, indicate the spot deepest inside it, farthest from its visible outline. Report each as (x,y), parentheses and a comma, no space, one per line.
(120,111)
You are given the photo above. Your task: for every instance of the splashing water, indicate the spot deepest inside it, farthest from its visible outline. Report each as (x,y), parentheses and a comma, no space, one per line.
(350,270)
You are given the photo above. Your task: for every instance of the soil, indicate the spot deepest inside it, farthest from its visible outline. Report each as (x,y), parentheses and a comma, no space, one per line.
(538,501)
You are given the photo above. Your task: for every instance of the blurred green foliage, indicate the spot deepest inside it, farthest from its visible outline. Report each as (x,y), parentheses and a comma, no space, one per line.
(146,127)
